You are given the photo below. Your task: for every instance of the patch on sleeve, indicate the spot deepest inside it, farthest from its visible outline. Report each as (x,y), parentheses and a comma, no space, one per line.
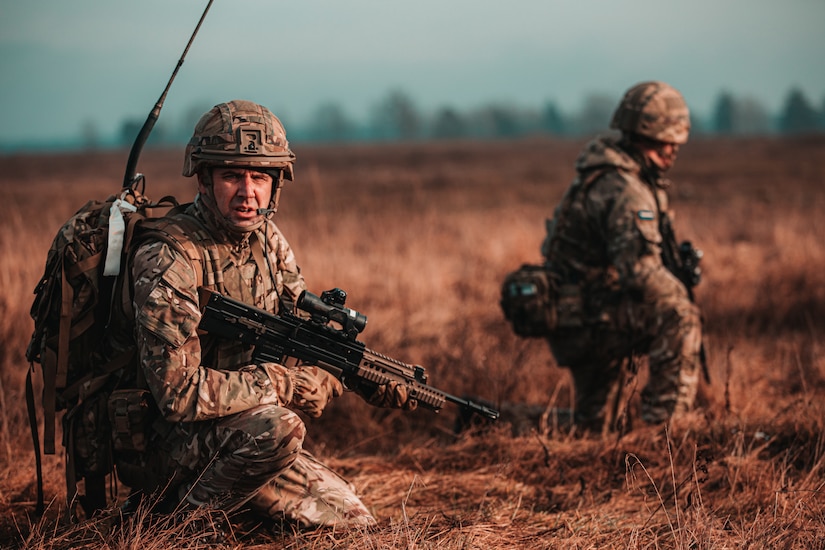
(168,315)
(647,226)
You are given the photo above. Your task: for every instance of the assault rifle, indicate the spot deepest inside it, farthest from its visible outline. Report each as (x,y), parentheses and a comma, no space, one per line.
(317,342)
(683,261)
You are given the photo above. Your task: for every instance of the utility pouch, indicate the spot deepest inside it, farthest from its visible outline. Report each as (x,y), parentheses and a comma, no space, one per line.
(85,436)
(527,300)
(569,306)
(130,414)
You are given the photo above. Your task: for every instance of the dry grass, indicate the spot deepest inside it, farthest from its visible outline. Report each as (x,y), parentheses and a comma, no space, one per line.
(420,237)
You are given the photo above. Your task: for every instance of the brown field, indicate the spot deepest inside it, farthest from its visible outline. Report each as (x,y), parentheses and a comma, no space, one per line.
(421,236)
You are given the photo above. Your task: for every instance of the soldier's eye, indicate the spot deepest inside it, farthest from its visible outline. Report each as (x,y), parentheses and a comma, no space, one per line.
(261,178)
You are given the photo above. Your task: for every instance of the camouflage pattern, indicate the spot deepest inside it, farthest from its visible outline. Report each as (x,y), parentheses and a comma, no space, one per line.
(314,388)
(223,463)
(655,110)
(241,134)
(604,242)
(225,431)
(309,493)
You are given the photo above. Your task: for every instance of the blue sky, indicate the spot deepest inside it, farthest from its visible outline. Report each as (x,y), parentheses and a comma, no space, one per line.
(65,63)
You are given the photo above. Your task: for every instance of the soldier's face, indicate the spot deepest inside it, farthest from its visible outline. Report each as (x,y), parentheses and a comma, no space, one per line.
(663,154)
(239,193)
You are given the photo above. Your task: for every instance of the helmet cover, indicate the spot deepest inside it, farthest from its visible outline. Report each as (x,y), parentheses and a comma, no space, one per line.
(239,134)
(655,110)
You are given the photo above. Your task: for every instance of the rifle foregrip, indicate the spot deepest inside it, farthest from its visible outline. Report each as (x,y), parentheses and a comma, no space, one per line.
(379,369)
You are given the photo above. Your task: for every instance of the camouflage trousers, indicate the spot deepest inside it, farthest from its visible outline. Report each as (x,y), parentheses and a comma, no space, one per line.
(668,331)
(255,459)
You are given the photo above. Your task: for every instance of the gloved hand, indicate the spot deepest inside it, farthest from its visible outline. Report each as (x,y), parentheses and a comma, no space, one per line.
(392,395)
(313,388)
(276,386)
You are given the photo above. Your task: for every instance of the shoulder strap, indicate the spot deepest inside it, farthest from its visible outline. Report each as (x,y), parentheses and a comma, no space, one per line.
(262,261)
(38,464)
(187,235)
(582,184)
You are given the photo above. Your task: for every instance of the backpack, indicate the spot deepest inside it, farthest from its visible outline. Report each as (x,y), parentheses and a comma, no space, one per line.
(82,339)
(528,300)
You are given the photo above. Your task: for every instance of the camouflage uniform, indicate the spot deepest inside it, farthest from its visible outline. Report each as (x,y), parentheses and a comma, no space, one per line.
(226,434)
(225,424)
(617,298)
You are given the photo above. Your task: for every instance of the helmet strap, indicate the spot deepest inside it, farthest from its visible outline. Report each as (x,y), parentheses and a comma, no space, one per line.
(636,145)
(205,181)
(277,185)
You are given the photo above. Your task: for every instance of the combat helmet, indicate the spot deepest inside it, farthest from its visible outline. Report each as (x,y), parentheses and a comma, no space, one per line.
(239,133)
(655,110)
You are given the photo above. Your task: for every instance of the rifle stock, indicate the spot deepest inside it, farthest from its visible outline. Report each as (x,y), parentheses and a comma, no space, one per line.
(276,337)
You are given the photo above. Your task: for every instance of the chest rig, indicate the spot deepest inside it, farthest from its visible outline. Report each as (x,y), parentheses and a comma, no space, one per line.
(246,271)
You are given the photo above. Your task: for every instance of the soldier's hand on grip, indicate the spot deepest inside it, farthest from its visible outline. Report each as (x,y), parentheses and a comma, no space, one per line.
(392,395)
(313,389)
(690,258)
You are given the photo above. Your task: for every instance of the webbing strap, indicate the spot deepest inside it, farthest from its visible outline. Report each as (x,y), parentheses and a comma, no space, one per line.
(56,365)
(71,474)
(30,406)
(64,332)
(582,186)
(121,297)
(263,264)
(132,223)
(90,383)
(210,275)
(49,364)
(84,266)
(117,230)
(215,271)
(187,235)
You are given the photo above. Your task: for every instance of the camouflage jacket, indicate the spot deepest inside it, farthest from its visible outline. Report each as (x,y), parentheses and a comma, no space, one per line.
(191,375)
(605,235)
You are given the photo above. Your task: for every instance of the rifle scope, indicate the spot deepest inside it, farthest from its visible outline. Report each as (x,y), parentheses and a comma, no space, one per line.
(330,307)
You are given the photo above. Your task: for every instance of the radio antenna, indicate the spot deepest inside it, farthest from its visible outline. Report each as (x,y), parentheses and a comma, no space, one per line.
(131,178)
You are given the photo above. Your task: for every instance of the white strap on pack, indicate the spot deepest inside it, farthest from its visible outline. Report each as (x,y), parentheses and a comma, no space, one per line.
(117,228)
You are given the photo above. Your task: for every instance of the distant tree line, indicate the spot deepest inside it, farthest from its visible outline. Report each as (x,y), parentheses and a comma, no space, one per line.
(732,115)
(397,117)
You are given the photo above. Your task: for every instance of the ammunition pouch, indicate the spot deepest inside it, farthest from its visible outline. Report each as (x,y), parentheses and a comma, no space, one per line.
(569,306)
(528,297)
(86,437)
(130,414)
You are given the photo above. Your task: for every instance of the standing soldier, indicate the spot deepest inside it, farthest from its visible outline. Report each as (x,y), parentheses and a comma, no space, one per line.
(225,432)
(623,287)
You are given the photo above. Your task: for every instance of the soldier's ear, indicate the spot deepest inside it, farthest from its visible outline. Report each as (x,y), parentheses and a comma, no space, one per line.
(204,180)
